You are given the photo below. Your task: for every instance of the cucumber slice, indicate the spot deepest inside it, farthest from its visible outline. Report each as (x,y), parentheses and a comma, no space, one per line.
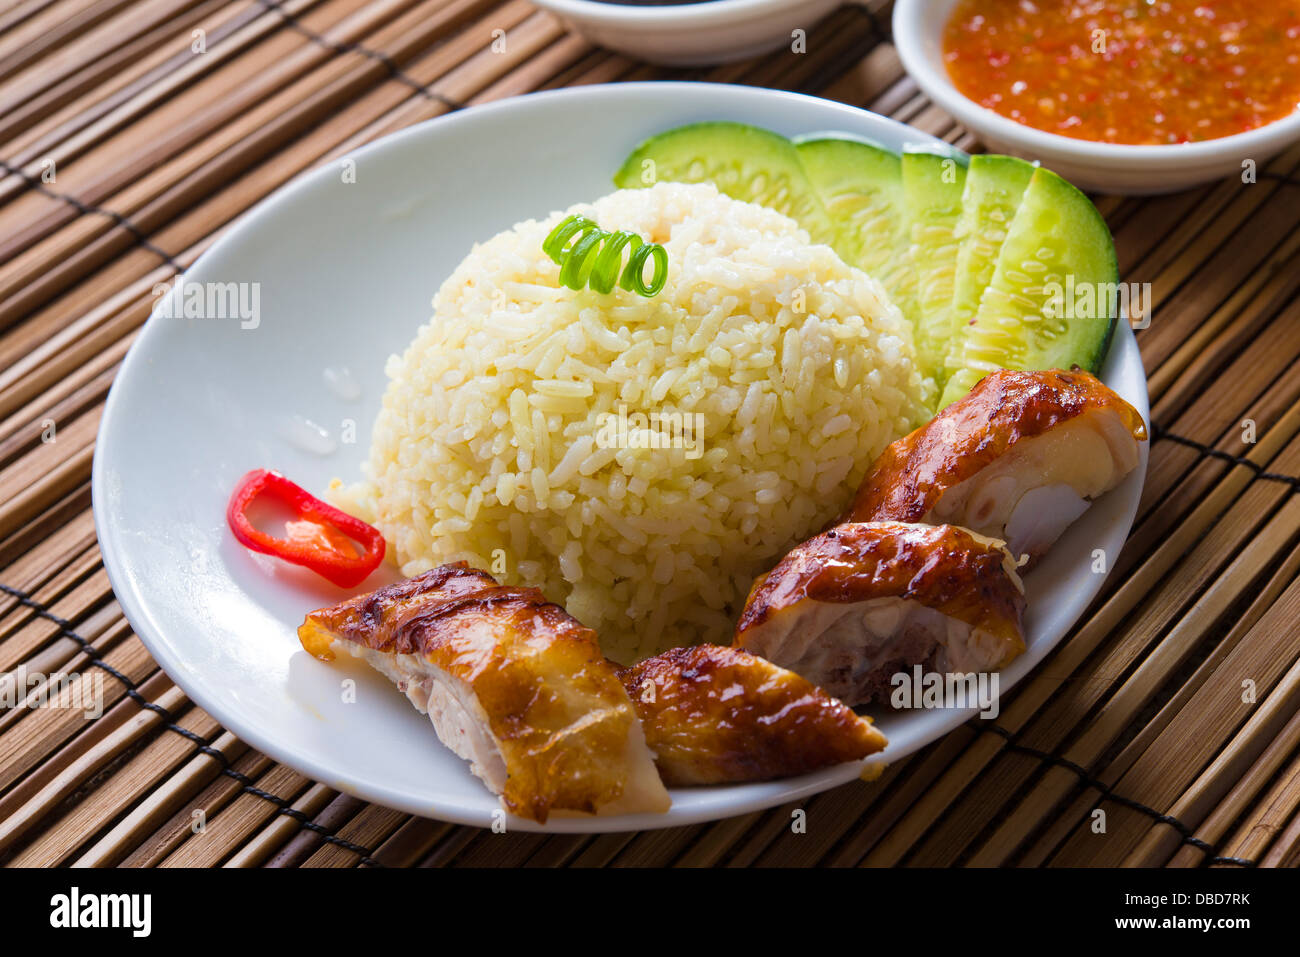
(745,162)
(932,190)
(861,187)
(981,294)
(1057,237)
(994,186)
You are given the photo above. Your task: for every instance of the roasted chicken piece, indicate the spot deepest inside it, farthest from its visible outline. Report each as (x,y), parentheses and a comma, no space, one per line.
(719,715)
(853,606)
(1018,459)
(512,684)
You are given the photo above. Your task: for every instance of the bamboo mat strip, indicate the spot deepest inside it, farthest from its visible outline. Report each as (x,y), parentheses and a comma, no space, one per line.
(19,12)
(156,845)
(50,28)
(1236,803)
(1158,777)
(43,98)
(131,783)
(272,792)
(282,828)
(1203,591)
(162,803)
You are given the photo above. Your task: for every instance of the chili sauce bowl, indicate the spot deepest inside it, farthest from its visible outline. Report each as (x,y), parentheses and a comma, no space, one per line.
(918,27)
(691,33)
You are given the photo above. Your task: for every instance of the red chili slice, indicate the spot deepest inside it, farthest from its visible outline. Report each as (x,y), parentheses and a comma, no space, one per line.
(335,545)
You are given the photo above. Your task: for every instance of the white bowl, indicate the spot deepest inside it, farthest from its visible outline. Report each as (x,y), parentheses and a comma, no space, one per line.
(691,34)
(1100,167)
(346,266)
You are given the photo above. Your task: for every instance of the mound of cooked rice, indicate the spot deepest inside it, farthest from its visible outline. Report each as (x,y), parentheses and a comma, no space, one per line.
(523,429)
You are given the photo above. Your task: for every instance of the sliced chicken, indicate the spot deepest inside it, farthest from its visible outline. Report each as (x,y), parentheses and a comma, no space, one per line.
(719,715)
(1019,458)
(861,602)
(512,684)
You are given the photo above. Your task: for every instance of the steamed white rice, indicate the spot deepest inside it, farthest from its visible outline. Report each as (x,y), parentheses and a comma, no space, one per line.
(489,444)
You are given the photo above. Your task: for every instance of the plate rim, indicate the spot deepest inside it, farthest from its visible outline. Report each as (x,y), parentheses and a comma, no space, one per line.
(758,795)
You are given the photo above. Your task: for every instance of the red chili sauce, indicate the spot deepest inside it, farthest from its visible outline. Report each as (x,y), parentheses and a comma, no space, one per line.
(1129,71)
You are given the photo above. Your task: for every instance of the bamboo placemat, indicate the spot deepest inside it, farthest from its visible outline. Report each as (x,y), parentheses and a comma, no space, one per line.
(133,131)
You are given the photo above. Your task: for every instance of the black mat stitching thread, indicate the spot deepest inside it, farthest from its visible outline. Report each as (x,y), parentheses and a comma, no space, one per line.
(340,46)
(1206,451)
(248,786)
(118,219)
(140,236)
(1285,179)
(1186,833)
(882,34)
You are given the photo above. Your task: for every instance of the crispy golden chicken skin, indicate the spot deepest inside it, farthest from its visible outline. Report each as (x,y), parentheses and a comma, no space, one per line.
(511,682)
(719,715)
(850,607)
(1018,458)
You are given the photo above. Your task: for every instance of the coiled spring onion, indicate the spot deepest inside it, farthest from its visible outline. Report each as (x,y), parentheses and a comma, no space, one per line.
(588,255)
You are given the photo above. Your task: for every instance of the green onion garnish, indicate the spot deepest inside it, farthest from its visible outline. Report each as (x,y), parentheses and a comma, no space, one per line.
(588,255)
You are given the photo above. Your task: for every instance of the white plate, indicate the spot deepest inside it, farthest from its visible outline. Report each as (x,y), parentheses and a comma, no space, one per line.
(347,270)
(691,34)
